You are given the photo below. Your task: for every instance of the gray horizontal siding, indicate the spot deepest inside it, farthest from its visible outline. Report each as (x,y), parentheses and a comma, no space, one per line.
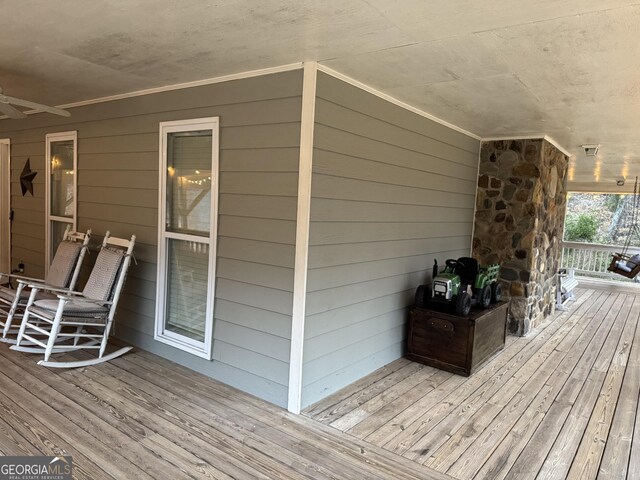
(344,254)
(329,233)
(272,323)
(118,191)
(321,279)
(340,188)
(338,210)
(388,333)
(335,91)
(391,191)
(377,140)
(256,206)
(358,368)
(258,229)
(243,379)
(349,166)
(27,241)
(254,273)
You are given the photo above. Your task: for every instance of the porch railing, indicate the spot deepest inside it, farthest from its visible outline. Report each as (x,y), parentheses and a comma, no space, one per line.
(592,260)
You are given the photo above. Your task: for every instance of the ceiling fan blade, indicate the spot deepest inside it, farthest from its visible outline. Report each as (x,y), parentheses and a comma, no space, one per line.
(38,106)
(10,111)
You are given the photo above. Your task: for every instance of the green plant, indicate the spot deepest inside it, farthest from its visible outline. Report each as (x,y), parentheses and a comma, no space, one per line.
(582,228)
(612,201)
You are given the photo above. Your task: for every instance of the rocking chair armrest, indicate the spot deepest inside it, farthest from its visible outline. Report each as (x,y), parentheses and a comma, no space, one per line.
(51,288)
(78,295)
(22,278)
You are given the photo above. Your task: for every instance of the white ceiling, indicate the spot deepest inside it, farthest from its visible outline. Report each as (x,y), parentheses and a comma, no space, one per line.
(569,69)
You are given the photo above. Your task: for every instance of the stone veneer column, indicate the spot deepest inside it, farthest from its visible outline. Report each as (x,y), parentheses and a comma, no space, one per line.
(519,222)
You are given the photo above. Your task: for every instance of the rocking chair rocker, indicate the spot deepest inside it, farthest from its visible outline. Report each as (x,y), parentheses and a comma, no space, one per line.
(63,273)
(622,263)
(84,318)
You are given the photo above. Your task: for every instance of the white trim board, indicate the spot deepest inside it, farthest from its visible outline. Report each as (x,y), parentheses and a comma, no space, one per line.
(310,78)
(177,86)
(406,106)
(395,101)
(261,72)
(475,202)
(531,137)
(50,138)
(5,206)
(287,68)
(196,83)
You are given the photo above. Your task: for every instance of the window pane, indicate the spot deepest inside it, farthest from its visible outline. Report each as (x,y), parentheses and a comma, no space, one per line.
(62,201)
(189,182)
(57,232)
(187,284)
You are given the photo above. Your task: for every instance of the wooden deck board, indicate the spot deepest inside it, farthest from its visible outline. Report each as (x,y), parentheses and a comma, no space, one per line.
(509,401)
(580,392)
(565,383)
(315,436)
(633,470)
(415,380)
(573,435)
(144,417)
(463,403)
(406,429)
(248,415)
(561,403)
(624,442)
(208,431)
(363,390)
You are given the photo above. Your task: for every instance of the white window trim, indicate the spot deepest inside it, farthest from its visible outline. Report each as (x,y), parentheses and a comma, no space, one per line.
(5,209)
(59,137)
(201,349)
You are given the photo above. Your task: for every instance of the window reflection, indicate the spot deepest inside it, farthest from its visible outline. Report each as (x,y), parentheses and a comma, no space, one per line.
(62,181)
(189,182)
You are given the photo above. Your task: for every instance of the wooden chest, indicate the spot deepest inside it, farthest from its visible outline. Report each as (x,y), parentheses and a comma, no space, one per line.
(453,343)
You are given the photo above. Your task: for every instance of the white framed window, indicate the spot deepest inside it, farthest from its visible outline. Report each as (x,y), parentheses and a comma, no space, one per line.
(187,233)
(61,187)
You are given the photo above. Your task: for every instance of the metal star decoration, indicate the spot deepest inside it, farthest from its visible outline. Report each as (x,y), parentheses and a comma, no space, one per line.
(26,179)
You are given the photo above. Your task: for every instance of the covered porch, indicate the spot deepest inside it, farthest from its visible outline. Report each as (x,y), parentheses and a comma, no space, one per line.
(561,402)
(144,417)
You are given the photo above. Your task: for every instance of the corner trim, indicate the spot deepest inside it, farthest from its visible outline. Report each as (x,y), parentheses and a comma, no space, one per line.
(558,146)
(475,202)
(395,101)
(303,219)
(531,137)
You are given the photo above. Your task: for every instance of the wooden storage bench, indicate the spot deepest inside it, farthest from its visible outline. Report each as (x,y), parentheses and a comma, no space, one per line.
(453,343)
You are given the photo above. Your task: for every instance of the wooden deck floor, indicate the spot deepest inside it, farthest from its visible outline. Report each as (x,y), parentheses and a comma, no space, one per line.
(561,403)
(142,417)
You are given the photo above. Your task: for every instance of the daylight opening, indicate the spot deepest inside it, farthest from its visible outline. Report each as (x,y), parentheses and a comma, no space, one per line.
(597,226)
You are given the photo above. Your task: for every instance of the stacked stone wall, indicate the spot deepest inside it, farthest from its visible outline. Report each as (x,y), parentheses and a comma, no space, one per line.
(519,221)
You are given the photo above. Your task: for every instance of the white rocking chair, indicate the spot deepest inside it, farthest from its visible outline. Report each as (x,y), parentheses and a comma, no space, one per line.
(63,273)
(84,318)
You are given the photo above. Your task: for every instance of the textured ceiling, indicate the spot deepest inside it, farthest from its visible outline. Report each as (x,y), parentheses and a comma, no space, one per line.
(568,69)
